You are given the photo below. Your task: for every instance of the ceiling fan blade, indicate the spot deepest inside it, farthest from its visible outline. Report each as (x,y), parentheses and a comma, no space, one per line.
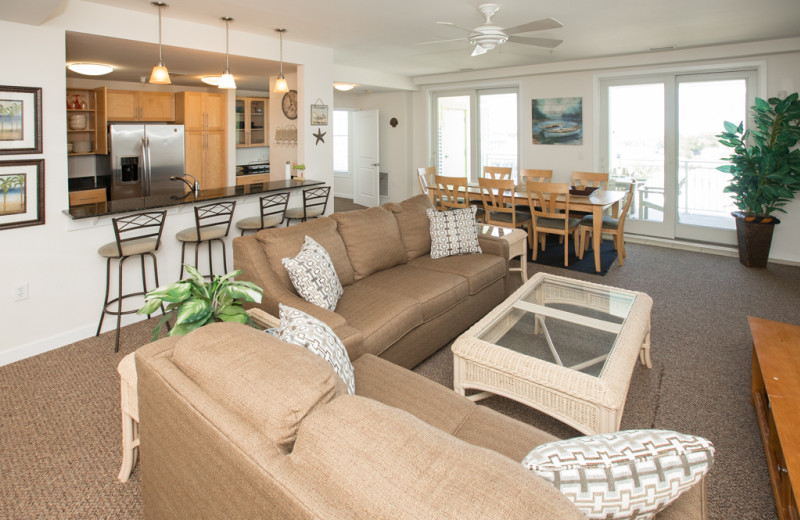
(441,41)
(455,26)
(478,51)
(538,25)
(548,43)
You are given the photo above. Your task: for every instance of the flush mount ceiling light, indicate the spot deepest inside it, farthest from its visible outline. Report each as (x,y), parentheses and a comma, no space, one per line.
(226,80)
(160,74)
(344,87)
(90,69)
(280,83)
(210,80)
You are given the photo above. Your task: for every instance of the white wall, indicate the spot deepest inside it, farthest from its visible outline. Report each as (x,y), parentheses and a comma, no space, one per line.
(59,260)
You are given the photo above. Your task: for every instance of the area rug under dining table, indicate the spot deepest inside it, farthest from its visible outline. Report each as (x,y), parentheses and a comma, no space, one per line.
(553,255)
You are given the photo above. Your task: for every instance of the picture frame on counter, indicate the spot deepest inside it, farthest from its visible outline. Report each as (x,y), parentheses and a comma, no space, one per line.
(319,115)
(22,190)
(20,120)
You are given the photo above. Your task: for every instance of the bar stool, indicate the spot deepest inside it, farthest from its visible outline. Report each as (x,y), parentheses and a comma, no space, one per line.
(315,200)
(212,223)
(135,235)
(273,212)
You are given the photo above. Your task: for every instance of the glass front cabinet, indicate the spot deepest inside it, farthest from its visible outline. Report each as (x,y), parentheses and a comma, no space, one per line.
(251,122)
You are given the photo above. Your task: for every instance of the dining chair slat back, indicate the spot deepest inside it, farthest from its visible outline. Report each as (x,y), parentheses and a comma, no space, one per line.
(543,200)
(590,179)
(496,172)
(499,203)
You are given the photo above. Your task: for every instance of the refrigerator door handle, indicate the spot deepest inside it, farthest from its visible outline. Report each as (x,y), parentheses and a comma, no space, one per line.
(146,165)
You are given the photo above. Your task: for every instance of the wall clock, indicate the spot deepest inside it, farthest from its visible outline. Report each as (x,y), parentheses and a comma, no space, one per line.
(289,104)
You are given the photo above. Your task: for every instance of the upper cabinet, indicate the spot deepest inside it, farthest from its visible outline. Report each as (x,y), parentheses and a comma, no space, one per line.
(86,121)
(136,105)
(200,110)
(252,118)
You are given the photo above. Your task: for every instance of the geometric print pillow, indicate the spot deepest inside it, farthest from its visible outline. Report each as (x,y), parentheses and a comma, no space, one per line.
(453,232)
(299,328)
(630,474)
(313,275)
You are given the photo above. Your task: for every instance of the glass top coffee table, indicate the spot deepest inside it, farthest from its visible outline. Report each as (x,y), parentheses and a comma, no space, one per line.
(560,345)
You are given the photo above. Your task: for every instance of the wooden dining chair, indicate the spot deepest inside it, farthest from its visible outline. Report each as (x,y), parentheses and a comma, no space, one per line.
(452,193)
(496,172)
(542,198)
(590,179)
(427,183)
(499,204)
(612,226)
(534,175)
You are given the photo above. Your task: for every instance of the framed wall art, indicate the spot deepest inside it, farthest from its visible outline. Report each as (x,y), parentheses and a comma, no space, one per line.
(557,120)
(20,120)
(319,115)
(21,193)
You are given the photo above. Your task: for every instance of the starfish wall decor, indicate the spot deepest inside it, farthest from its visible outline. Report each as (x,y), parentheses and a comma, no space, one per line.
(319,135)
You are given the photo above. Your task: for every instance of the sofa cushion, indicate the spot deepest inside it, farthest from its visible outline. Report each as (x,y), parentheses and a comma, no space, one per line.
(453,232)
(414,224)
(242,368)
(479,270)
(382,317)
(623,475)
(313,275)
(436,292)
(372,239)
(280,243)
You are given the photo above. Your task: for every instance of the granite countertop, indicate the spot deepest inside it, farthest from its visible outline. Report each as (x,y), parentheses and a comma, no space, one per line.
(144,203)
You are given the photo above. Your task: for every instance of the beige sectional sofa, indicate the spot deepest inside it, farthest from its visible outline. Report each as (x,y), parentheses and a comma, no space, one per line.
(398,302)
(238,424)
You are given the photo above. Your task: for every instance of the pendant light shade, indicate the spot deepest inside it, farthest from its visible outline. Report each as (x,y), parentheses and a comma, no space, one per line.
(226,79)
(160,74)
(280,84)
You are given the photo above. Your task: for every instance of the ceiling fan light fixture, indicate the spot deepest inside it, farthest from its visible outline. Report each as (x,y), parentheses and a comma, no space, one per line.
(160,74)
(280,84)
(343,87)
(226,80)
(211,80)
(90,69)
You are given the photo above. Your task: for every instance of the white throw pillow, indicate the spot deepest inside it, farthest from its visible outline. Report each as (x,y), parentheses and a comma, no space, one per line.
(299,328)
(313,275)
(630,474)
(453,232)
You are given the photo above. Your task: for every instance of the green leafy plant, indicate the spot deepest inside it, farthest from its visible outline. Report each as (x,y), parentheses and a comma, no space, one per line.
(196,302)
(765,164)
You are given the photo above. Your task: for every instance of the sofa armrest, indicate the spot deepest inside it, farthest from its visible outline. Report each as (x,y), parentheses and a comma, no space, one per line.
(493,246)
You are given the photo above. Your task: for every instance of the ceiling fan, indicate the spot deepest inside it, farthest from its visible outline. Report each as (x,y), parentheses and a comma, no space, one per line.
(487,36)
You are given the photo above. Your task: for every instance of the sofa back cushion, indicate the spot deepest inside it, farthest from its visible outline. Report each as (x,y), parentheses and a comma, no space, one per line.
(414,224)
(286,242)
(267,382)
(372,239)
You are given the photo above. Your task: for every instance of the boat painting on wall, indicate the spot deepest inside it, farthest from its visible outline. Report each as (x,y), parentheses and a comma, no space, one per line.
(557,120)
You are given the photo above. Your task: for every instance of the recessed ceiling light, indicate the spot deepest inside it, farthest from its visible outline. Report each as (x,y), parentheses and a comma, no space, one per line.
(90,69)
(344,87)
(210,80)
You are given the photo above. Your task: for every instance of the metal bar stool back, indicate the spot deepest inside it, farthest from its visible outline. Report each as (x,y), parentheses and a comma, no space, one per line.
(315,200)
(212,224)
(134,235)
(273,213)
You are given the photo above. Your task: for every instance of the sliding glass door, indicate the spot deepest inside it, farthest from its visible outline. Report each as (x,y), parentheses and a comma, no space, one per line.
(661,132)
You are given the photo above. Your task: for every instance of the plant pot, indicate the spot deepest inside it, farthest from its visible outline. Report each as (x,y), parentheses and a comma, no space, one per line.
(755,237)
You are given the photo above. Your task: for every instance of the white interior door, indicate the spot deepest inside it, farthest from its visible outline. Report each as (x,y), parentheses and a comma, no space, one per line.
(367,178)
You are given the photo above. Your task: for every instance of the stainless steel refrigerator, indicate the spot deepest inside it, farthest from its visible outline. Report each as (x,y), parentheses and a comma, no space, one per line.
(143,158)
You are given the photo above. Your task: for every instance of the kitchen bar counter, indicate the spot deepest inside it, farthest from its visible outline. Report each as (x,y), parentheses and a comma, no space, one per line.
(145,203)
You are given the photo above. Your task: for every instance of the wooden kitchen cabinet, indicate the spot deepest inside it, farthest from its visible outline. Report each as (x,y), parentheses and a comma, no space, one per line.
(252,118)
(200,110)
(94,130)
(136,105)
(203,117)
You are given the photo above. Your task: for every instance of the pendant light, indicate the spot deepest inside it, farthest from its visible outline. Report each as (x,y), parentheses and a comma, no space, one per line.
(280,83)
(226,80)
(160,74)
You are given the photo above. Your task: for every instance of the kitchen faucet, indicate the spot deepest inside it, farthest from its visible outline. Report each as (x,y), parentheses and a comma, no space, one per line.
(194,187)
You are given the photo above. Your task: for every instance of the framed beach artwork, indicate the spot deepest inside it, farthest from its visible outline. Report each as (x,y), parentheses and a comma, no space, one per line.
(319,115)
(21,193)
(20,120)
(557,120)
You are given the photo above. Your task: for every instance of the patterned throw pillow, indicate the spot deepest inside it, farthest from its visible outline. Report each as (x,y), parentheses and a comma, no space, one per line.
(299,328)
(453,232)
(630,474)
(313,275)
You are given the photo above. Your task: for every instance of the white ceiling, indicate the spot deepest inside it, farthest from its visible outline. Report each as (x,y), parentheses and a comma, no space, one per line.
(383,35)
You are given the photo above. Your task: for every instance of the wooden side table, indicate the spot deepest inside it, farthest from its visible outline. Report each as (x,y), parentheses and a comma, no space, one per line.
(517,245)
(776,398)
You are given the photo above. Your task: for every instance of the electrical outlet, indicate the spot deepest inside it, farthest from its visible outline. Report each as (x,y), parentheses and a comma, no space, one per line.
(21,291)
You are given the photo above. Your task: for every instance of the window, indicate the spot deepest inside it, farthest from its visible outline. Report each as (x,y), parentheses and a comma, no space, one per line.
(341,141)
(474,129)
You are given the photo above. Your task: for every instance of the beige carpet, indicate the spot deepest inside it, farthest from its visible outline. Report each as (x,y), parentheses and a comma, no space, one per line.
(60,418)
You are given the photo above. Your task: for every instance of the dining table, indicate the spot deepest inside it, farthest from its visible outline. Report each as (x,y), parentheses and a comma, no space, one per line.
(595,203)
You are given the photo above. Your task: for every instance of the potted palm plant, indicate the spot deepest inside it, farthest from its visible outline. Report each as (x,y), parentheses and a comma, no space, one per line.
(765,172)
(196,301)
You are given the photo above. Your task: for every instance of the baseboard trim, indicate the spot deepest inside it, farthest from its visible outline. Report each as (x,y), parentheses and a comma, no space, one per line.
(713,249)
